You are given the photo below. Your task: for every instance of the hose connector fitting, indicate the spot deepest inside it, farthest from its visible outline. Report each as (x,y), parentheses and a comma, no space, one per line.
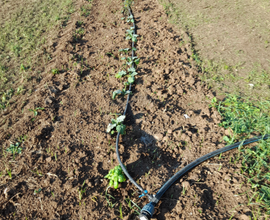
(147,211)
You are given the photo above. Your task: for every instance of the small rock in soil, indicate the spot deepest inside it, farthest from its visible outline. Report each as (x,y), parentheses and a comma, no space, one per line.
(158,136)
(185,184)
(243,217)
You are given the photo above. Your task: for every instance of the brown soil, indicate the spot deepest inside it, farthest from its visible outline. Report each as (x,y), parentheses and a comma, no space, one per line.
(67,144)
(232,39)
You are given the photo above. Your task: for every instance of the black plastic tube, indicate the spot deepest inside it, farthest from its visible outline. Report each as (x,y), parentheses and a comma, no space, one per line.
(118,134)
(196,162)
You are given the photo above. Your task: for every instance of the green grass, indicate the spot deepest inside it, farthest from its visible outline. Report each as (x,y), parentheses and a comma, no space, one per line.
(24,36)
(246,119)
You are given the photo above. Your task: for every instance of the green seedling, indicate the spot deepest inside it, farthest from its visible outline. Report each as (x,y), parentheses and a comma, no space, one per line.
(131,60)
(14,148)
(10,174)
(120,74)
(118,124)
(35,111)
(55,71)
(131,36)
(116,176)
(19,90)
(130,19)
(119,92)
(37,191)
(126,50)
(23,68)
(81,191)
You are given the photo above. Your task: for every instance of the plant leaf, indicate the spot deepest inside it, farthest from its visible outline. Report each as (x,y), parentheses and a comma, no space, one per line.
(133,74)
(120,74)
(121,128)
(131,69)
(225,138)
(110,127)
(131,79)
(115,93)
(120,119)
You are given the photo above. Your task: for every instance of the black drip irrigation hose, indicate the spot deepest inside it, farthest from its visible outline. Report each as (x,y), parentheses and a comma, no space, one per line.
(118,134)
(148,210)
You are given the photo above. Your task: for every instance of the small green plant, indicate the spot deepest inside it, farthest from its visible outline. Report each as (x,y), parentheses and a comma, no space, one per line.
(23,68)
(37,191)
(85,10)
(130,19)
(55,71)
(131,60)
(10,174)
(120,211)
(118,124)
(130,35)
(14,148)
(81,191)
(35,111)
(119,92)
(116,176)
(126,50)
(79,23)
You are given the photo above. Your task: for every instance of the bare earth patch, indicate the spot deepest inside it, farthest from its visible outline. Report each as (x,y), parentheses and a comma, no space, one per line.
(65,149)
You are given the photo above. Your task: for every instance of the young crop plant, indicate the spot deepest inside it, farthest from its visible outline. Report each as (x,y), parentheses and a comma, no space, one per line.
(35,111)
(81,191)
(120,74)
(119,92)
(130,19)
(118,125)
(14,148)
(55,71)
(126,50)
(131,36)
(116,176)
(131,60)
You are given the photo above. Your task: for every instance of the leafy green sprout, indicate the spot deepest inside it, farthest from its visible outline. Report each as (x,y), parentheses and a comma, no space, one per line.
(130,19)
(55,71)
(118,124)
(9,174)
(81,191)
(120,92)
(131,60)
(14,148)
(37,191)
(130,35)
(35,111)
(116,176)
(23,68)
(126,50)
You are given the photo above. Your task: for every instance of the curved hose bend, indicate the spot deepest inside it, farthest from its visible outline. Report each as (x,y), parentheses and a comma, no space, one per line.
(196,162)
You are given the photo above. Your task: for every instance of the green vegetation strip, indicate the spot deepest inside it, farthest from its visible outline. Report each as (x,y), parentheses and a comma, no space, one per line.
(245,119)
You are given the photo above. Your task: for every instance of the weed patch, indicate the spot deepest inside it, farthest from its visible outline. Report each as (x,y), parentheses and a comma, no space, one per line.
(246,119)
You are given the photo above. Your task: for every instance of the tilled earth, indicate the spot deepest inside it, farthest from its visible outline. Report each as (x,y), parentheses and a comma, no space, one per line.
(65,148)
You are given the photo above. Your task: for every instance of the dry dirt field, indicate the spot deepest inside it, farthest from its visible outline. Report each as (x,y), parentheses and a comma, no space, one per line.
(61,126)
